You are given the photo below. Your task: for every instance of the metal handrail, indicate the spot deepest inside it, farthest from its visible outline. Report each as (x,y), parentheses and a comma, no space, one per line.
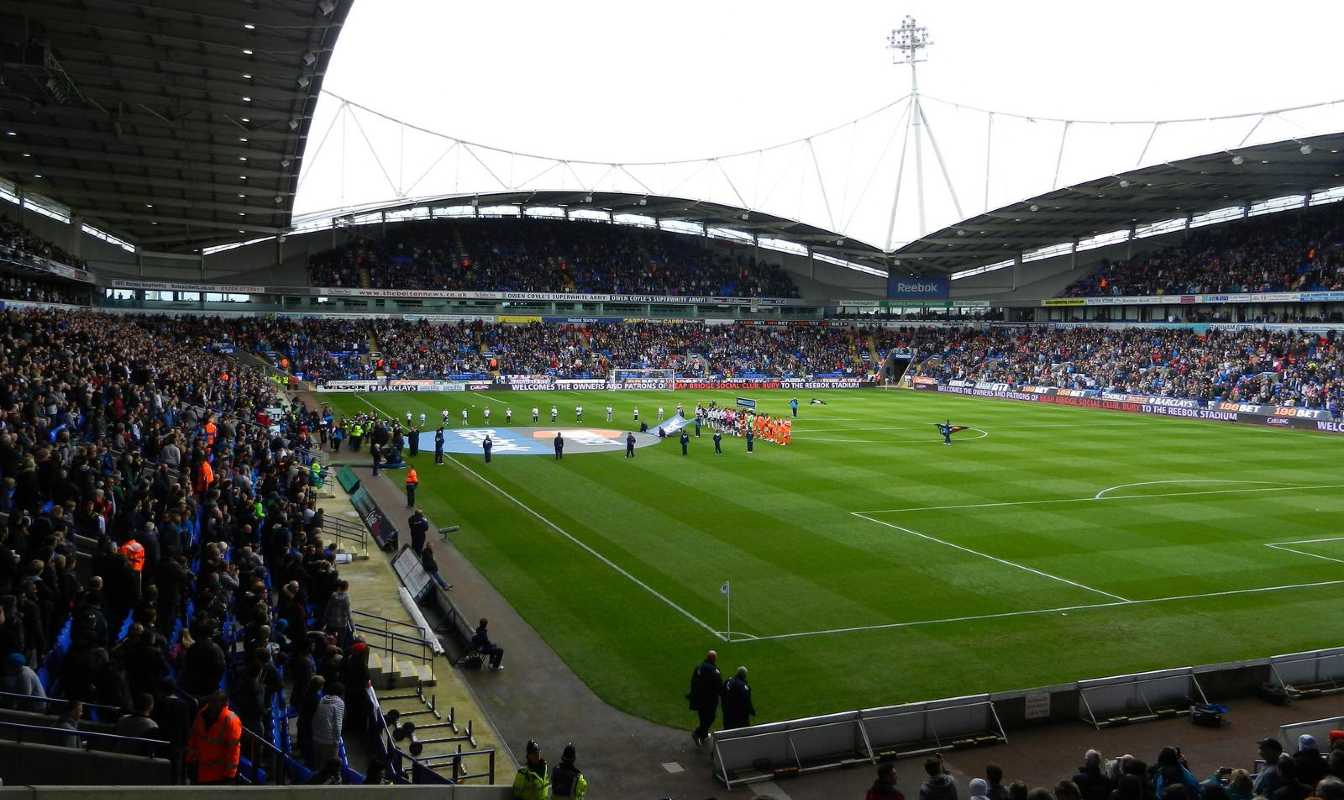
(152,745)
(277,772)
(48,701)
(455,759)
(343,531)
(424,654)
(386,620)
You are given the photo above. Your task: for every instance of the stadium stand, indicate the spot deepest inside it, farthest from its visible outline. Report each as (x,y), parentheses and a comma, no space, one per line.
(1301,251)
(19,244)
(1254,366)
(546,256)
(153,495)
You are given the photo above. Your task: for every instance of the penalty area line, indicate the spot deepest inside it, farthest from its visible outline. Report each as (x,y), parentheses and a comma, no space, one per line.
(1040,611)
(1094,499)
(995,559)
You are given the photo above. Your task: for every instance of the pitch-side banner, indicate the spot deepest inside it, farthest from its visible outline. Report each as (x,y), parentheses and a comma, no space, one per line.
(1197,299)
(1273,416)
(393,386)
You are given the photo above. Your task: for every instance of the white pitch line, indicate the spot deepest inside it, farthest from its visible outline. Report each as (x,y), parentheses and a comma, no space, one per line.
(1101,495)
(1094,499)
(1003,561)
(1312,541)
(375,408)
(1039,611)
(1279,546)
(491,399)
(594,553)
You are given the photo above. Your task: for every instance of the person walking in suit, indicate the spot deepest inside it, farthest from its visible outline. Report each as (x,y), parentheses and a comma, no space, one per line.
(559,446)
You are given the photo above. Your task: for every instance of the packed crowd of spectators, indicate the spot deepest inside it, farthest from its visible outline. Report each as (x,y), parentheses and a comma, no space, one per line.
(425,350)
(1275,253)
(547,256)
(1305,773)
(1250,366)
(163,570)
(20,244)
(40,290)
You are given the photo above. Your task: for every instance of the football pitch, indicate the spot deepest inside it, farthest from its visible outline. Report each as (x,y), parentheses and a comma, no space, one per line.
(870,564)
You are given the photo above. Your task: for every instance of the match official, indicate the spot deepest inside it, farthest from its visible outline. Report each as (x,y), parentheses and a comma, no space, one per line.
(718,443)
(737,707)
(487,445)
(751,440)
(629,445)
(559,446)
(419,527)
(685,441)
(706,690)
(438,445)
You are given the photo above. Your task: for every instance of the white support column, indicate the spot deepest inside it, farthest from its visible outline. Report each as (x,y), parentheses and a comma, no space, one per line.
(917,115)
(942,166)
(1059,158)
(989,148)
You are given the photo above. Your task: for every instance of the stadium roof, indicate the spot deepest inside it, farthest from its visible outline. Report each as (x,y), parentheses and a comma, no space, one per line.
(1108,210)
(725,218)
(176,124)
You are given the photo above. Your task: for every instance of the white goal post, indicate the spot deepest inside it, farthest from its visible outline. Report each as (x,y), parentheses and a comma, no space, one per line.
(642,379)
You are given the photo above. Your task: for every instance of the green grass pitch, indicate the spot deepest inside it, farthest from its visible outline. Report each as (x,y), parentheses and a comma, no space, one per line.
(872,565)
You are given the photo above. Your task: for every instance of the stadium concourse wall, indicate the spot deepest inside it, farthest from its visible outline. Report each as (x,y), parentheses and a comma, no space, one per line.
(1311,419)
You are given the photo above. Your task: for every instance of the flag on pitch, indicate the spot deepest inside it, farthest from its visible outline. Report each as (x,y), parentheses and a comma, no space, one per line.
(725,588)
(950,428)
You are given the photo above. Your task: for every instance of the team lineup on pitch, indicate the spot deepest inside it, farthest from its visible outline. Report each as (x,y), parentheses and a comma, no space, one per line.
(1006,532)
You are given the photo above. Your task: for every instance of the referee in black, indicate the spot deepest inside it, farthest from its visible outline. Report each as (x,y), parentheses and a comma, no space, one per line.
(685,441)
(718,442)
(438,445)
(629,445)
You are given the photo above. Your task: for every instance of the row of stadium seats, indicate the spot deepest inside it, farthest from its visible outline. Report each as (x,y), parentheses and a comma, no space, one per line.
(546,256)
(1289,251)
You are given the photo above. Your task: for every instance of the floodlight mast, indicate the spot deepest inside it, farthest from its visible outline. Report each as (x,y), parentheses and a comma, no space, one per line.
(907,44)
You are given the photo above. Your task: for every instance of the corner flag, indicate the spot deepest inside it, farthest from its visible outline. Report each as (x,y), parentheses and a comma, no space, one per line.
(725,588)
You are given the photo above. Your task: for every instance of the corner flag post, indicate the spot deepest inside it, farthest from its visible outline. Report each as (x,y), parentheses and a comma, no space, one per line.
(727,590)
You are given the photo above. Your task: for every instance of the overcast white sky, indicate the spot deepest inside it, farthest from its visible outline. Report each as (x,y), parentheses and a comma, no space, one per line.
(623,81)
